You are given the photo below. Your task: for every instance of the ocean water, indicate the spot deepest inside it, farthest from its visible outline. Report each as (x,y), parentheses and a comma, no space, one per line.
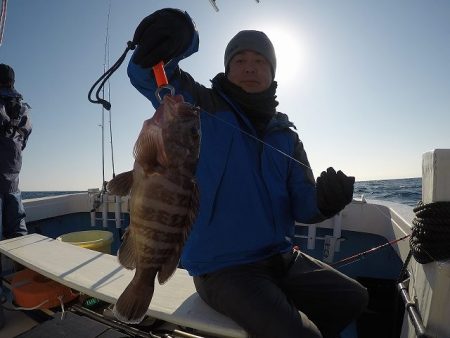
(406,191)
(26,195)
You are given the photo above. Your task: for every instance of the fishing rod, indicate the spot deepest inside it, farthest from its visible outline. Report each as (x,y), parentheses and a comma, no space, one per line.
(106,104)
(216,8)
(109,90)
(101,197)
(359,256)
(3,19)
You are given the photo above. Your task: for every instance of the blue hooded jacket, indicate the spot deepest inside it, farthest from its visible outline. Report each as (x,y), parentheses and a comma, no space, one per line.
(251,193)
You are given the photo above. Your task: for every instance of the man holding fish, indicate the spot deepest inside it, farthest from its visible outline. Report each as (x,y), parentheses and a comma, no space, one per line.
(254,183)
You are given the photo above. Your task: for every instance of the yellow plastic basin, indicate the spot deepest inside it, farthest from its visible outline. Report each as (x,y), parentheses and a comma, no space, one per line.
(97,240)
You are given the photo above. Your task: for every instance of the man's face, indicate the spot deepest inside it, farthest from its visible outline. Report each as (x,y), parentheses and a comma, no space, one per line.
(250,71)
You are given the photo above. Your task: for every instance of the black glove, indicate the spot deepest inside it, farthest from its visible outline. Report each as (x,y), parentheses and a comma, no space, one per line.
(334,191)
(161,36)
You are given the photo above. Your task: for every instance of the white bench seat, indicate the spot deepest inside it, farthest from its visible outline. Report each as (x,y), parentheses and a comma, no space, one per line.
(101,276)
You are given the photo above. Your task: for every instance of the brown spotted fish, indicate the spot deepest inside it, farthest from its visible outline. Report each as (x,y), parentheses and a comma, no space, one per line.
(163,202)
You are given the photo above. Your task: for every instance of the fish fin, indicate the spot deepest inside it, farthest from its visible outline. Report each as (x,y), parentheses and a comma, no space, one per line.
(167,270)
(148,144)
(127,253)
(121,184)
(132,305)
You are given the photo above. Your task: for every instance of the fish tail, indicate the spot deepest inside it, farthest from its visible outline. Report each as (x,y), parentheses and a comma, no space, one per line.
(132,305)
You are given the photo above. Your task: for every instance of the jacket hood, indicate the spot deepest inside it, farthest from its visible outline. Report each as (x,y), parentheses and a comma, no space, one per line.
(9,92)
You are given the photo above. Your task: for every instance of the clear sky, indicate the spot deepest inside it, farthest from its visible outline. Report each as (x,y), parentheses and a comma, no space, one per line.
(367,83)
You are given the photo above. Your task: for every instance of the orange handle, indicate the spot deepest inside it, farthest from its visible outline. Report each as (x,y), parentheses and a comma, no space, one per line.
(160,74)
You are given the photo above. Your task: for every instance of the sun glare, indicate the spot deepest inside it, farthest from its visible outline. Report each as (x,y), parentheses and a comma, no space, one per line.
(289,52)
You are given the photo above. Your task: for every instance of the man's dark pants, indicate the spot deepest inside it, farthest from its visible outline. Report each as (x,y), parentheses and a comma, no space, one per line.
(285,296)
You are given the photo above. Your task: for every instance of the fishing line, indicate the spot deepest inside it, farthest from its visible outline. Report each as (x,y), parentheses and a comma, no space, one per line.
(257,139)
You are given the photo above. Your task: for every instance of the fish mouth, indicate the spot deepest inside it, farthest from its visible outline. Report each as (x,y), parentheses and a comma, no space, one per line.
(188,110)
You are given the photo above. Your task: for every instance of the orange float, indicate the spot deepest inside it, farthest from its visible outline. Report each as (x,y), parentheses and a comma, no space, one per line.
(33,290)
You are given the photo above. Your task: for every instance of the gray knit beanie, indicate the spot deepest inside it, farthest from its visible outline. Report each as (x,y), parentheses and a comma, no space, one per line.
(251,40)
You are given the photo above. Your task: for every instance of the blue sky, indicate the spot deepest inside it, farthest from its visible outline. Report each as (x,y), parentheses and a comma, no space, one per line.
(367,83)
